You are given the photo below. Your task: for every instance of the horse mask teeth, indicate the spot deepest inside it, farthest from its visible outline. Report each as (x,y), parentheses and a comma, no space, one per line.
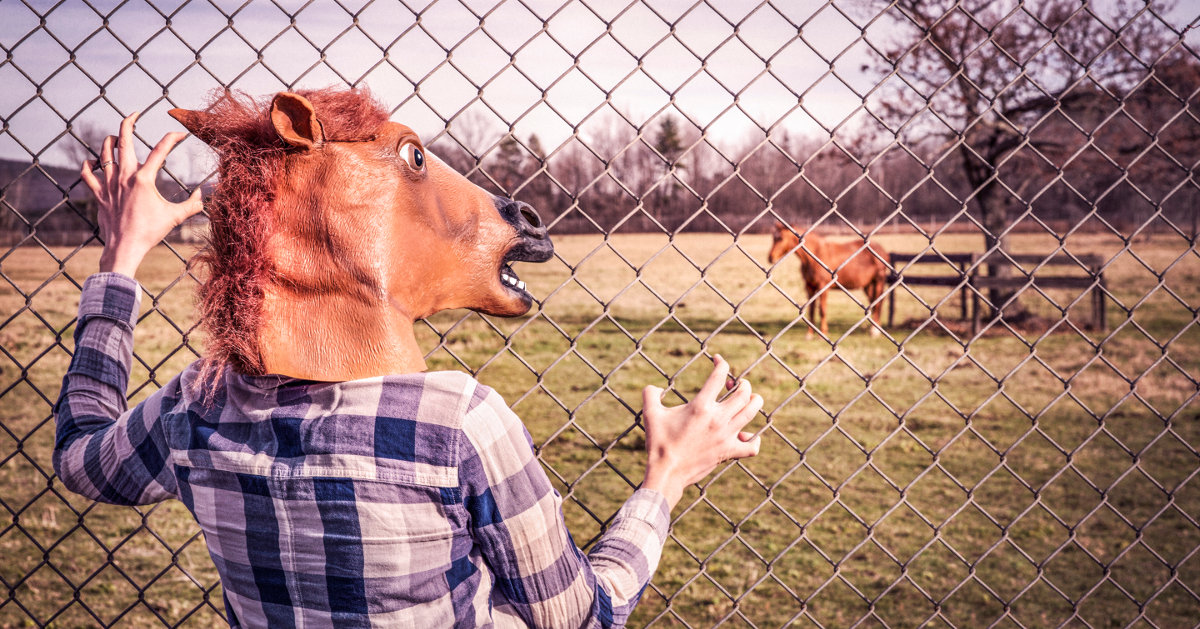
(509,277)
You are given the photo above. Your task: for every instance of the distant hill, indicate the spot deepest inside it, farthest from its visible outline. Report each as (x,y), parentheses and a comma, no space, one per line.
(37,188)
(53,204)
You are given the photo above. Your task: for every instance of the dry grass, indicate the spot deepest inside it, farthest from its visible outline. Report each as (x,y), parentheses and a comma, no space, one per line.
(903,479)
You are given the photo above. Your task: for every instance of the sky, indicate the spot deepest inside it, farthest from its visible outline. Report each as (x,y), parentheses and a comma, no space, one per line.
(475,63)
(480,67)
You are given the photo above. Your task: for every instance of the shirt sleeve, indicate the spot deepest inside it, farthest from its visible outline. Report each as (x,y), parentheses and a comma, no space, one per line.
(102,450)
(516,518)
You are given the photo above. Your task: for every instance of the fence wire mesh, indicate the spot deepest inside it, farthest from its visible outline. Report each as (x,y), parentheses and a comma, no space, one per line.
(1017,448)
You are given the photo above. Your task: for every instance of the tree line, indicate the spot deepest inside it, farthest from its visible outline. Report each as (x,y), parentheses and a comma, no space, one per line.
(1055,117)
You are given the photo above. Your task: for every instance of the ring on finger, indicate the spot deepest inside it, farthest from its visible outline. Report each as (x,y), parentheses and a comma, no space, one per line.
(104,165)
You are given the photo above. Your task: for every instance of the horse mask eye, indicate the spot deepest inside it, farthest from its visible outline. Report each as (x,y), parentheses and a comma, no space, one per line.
(413,156)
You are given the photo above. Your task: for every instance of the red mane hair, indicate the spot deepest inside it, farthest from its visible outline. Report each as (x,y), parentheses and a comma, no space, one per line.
(240,209)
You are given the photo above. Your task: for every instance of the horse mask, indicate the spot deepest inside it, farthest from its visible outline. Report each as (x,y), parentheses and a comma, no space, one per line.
(333,231)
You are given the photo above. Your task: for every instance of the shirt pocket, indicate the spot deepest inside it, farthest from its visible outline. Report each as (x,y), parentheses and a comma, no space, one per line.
(409,539)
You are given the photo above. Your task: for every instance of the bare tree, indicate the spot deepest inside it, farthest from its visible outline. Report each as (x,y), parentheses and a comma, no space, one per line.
(978,76)
(469,136)
(82,143)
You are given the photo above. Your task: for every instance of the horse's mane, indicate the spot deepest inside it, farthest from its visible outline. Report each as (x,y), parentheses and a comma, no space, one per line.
(251,158)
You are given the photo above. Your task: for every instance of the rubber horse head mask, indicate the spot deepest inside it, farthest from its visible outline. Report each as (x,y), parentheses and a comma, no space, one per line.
(333,230)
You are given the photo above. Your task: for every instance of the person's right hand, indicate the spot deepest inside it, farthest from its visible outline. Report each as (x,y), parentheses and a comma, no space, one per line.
(133,216)
(685,443)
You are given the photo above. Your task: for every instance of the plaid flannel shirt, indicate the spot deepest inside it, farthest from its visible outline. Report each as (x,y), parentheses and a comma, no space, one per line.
(413,500)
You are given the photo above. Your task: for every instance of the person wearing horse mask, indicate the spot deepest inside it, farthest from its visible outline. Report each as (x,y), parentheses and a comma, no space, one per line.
(337,482)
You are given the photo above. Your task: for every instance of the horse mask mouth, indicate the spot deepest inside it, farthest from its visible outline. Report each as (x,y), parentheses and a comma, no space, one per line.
(532,244)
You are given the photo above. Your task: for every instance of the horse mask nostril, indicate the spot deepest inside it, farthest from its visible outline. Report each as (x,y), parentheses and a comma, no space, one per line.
(531,216)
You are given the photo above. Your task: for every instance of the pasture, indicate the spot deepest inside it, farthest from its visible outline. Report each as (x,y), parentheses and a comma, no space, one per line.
(1023,479)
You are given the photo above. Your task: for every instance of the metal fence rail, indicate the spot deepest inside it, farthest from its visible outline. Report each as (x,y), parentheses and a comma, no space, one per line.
(1018,448)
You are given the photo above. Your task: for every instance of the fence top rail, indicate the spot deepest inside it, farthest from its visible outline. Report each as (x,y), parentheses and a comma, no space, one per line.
(1092,262)
(930,258)
(1089,260)
(1054,281)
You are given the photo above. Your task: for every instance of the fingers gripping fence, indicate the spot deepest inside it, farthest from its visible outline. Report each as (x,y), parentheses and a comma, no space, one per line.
(1019,446)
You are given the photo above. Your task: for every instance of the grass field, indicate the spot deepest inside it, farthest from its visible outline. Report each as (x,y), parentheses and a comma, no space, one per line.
(921,477)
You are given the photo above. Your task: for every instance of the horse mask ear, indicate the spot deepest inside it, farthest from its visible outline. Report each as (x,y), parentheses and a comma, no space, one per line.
(198,123)
(296,122)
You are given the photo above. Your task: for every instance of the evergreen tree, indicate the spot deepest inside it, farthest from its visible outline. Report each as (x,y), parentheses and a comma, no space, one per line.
(540,192)
(510,164)
(669,146)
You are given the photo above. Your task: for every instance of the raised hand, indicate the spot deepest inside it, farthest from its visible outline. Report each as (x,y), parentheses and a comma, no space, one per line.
(133,215)
(685,443)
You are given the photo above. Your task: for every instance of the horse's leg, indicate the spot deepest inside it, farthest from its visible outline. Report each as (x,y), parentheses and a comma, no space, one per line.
(821,308)
(874,292)
(812,310)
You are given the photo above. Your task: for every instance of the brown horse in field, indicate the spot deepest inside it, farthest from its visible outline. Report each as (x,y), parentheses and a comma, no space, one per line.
(824,264)
(333,230)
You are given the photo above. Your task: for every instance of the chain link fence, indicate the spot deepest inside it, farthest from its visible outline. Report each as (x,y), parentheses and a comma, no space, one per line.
(1018,447)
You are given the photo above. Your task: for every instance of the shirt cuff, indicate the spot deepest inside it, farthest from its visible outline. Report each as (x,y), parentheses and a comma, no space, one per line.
(111,296)
(650,507)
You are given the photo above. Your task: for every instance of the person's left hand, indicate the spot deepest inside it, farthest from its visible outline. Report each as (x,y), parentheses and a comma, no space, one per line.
(686,443)
(134,217)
